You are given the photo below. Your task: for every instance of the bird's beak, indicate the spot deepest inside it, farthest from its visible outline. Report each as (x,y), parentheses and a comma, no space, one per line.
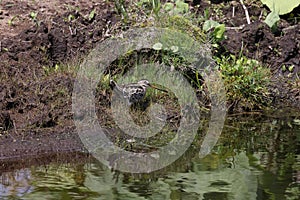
(153,86)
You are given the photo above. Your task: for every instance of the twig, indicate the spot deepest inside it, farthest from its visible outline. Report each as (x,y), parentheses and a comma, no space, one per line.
(246,11)
(234,28)
(233,11)
(289,28)
(71,31)
(245,113)
(261,14)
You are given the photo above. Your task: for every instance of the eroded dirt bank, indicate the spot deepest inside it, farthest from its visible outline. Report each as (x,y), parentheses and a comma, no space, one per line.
(35,103)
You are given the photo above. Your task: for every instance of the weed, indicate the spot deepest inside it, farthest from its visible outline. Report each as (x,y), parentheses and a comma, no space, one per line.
(153,6)
(156,6)
(70,18)
(104,83)
(5,49)
(183,24)
(120,7)
(33,17)
(272,20)
(245,79)
(92,15)
(61,68)
(291,68)
(281,7)
(177,7)
(217,34)
(12,20)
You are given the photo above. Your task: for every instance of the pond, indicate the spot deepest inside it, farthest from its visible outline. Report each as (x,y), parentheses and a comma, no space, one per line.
(253,159)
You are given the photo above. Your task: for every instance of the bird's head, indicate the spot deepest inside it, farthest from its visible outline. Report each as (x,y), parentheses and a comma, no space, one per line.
(145,83)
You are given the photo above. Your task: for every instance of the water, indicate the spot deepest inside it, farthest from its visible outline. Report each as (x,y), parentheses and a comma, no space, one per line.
(252,160)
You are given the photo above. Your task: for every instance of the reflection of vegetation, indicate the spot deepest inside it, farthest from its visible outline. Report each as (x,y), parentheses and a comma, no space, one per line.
(271,148)
(233,183)
(253,159)
(292,192)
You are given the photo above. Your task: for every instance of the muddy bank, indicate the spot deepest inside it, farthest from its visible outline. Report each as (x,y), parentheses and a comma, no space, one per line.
(35,100)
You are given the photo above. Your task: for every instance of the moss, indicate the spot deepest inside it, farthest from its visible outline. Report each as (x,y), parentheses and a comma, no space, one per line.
(183,24)
(246,81)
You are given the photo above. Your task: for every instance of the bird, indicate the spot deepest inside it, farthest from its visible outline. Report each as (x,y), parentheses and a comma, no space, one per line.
(134,92)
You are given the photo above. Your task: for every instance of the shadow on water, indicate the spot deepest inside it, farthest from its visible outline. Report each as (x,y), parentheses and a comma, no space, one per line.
(253,159)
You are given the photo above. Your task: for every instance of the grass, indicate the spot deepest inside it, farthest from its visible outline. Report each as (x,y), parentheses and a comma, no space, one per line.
(68,68)
(246,80)
(11,22)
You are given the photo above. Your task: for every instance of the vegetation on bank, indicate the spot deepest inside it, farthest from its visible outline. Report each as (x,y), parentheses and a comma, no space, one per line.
(246,80)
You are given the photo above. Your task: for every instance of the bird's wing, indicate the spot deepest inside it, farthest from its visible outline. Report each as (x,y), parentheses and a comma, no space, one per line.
(137,94)
(126,92)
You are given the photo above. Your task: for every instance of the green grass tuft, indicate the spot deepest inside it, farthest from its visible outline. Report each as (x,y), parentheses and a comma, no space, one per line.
(246,80)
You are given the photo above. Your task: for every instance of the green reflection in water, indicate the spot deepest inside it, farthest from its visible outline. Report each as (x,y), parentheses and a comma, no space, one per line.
(252,160)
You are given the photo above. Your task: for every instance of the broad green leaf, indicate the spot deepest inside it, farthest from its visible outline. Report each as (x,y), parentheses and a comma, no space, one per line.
(219,31)
(209,24)
(168,6)
(272,19)
(182,7)
(280,6)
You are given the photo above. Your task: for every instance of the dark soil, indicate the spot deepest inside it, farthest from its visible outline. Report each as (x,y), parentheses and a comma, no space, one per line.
(256,40)
(35,107)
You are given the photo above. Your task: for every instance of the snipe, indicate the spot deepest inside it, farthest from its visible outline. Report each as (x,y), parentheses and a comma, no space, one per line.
(134,92)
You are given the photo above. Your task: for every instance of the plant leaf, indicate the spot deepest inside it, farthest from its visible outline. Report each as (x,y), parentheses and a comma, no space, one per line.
(92,15)
(280,6)
(219,31)
(291,68)
(272,19)
(181,7)
(168,6)
(209,24)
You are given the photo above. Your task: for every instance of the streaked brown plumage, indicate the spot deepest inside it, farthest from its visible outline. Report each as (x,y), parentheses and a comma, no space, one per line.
(134,92)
